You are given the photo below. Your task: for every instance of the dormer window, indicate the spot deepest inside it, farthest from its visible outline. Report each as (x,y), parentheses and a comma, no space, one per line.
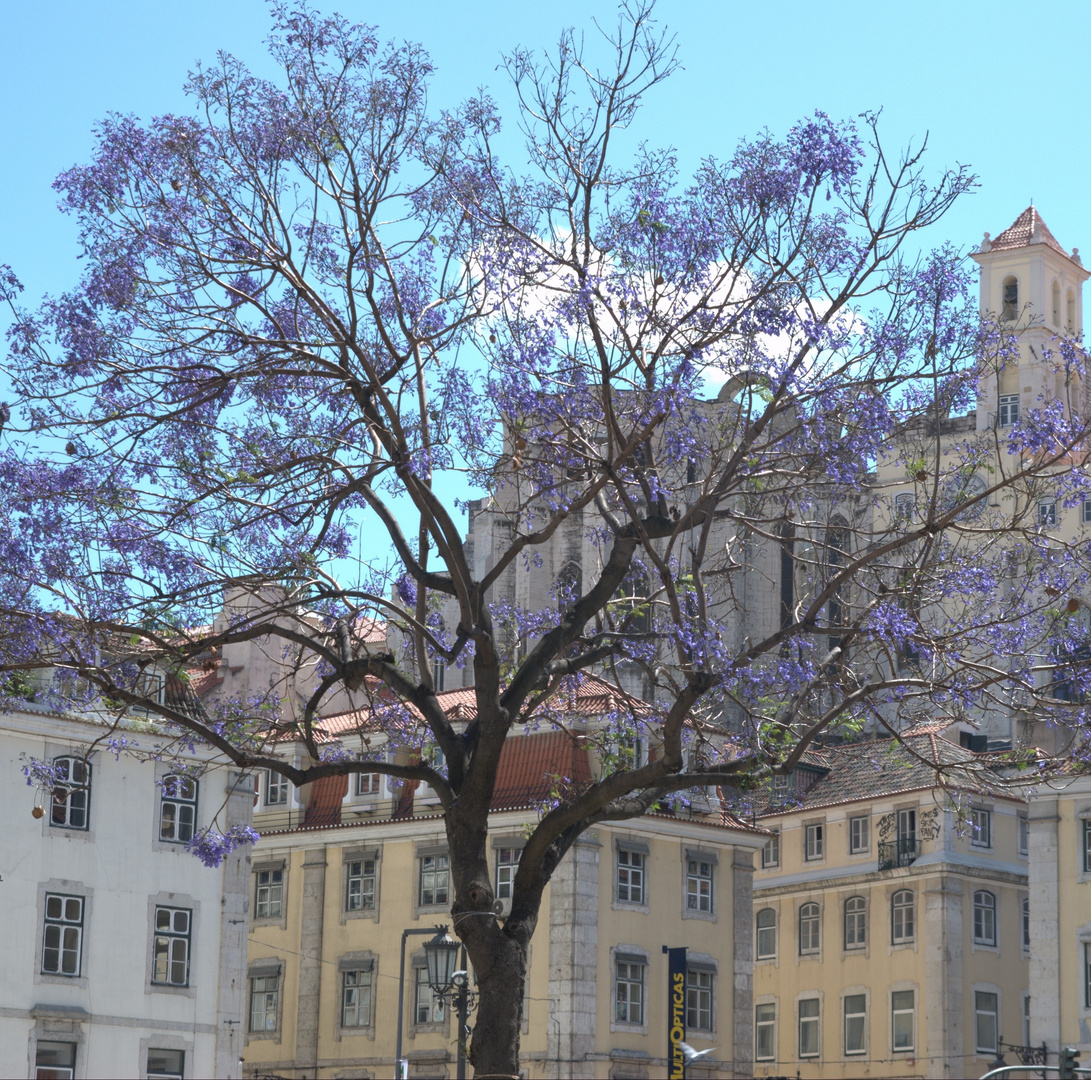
(1010,297)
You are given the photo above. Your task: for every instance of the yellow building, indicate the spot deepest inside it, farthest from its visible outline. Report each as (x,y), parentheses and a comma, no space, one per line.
(891,921)
(1060,910)
(340,877)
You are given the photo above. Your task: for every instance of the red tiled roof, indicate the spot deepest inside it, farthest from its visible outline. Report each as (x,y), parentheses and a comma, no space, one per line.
(531,766)
(1028,228)
(369,631)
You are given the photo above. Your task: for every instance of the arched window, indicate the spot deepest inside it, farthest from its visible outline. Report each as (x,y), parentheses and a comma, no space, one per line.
(810,929)
(1009,307)
(71,793)
(837,545)
(569,586)
(1056,303)
(439,666)
(767,933)
(855,922)
(1070,317)
(902,920)
(984,918)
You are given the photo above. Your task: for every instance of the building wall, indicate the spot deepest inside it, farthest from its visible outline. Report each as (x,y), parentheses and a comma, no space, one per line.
(940,962)
(111,1011)
(571,1026)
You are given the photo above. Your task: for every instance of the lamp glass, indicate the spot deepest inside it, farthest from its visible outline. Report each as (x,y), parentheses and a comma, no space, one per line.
(441,955)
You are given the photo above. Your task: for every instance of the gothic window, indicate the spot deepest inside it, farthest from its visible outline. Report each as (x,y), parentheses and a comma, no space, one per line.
(1010,299)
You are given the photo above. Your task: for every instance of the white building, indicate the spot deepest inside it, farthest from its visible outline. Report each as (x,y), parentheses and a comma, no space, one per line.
(122,955)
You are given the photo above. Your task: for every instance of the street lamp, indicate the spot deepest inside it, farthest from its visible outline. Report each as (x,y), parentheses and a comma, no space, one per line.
(441,953)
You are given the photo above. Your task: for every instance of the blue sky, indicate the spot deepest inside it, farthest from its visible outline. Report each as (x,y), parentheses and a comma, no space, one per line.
(997,85)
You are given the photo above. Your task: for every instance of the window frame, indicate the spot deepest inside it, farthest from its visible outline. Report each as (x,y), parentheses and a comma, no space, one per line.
(636,875)
(814,841)
(770,930)
(1087,974)
(1007,410)
(695,878)
(895,1012)
(168,936)
(1085,512)
(810,914)
(985,926)
(362,908)
(859,834)
(770,851)
(846,1016)
(705,992)
(272,997)
(1047,513)
(268,915)
(438,1011)
(815,1019)
(62,922)
(65,791)
(165,1073)
(858,938)
(632,964)
(979,1012)
(57,1070)
(1087,845)
(1024,916)
(768,1022)
(177,803)
(506,869)
(1022,834)
(981,832)
(436,872)
(363,968)
(274,782)
(903,917)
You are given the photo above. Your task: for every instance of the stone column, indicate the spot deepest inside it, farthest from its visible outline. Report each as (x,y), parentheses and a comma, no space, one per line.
(573,961)
(1045,930)
(941,1007)
(310,962)
(234,922)
(742,933)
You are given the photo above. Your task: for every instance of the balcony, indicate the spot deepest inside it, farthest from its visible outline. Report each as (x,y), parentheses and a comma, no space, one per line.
(898,853)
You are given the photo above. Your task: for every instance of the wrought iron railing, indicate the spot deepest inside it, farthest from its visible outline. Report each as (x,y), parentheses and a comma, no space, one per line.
(897,853)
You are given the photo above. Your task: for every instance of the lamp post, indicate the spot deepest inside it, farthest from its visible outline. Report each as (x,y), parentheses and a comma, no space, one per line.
(446,982)
(439,934)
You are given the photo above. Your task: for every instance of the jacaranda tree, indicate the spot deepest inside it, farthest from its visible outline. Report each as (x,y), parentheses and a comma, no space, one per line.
(311,301)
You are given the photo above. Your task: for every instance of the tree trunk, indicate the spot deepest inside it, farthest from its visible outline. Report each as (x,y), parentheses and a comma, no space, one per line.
(502,973)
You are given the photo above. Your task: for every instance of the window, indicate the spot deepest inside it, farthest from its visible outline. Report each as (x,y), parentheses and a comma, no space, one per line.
(765,1032)
(699,1000)
(814,837)
(902,919)
(1056,297)
(855,1023)
(1087,846)
(356,998)
(770,853)
(264,999)
(1009,296)
(984,918)
(507,863)
(276,789)
(1085,512)
(855,922)
(810,931)
(981,828)
(1070,317)
(71,801)
(170,947)
(902,1019)
(435,880)
(1023,834)
(630,876)
(62,941)
(269,894)
(629,992)
(439,673)
(808,1027)
(166,1063)
(1026,1019)
(904,504)
(367,783)
(178,809)
(1024,908)
(1087,976)
(1009,410)
(699,885)
(985,1021)
(54,1060)
(859,835)
(1047,512)
(428,1008)
(360,885)
(767,933)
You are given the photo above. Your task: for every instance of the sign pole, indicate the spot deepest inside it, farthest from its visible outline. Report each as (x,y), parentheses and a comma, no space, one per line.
(676,1012)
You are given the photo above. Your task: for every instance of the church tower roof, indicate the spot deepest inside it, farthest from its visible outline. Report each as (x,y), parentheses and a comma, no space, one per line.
(1028,228)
